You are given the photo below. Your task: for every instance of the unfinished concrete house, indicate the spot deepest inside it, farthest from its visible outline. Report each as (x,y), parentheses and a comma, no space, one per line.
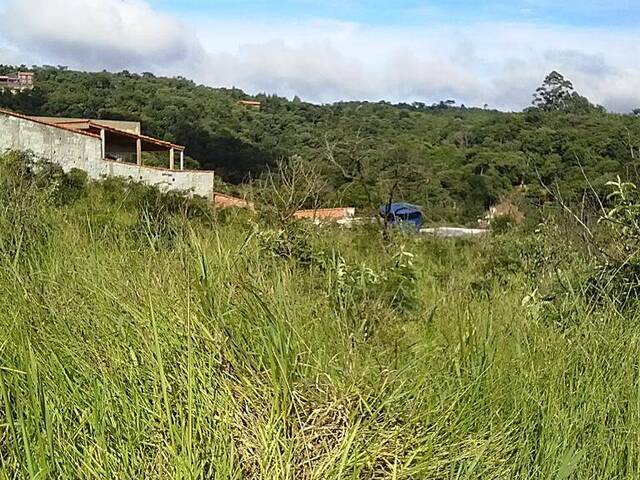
(102,148)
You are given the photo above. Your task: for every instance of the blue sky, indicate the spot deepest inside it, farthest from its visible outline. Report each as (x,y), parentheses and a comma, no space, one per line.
(615,13)
(493,52)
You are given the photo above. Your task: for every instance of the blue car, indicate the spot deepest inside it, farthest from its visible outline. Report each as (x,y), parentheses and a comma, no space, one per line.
(402,214)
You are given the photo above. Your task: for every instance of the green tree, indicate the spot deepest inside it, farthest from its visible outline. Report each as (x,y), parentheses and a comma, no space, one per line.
(452,161)
(553,93)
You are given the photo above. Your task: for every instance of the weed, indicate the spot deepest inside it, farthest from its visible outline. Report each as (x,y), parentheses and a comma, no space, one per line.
(230,350)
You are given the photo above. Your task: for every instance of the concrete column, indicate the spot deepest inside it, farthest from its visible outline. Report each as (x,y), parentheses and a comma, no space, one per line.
(103,141)
(181,159)
(172,159)
(139,151)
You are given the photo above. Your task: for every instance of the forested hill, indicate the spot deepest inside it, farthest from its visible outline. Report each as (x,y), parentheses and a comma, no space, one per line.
(455,161)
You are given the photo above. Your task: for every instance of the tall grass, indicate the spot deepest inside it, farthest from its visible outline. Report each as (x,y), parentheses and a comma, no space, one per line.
(195,350)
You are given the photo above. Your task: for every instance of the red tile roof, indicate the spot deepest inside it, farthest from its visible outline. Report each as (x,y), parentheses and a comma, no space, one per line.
(226,201)
(125,133)
(326,213)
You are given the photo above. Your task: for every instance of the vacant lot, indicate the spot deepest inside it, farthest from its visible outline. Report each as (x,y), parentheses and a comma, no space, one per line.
(144,337)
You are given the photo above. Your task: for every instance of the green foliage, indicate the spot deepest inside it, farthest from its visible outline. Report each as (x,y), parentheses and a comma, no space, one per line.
(624,216)
(292,241)
(139,196)
(156,228)
(595,265)
(65,187)
(25,221)
(359,286)
(617,277)
(556,93)
(502,224)
(453,161)
(216,359)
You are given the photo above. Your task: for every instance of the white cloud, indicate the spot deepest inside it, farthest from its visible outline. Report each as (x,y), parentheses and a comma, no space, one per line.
(98,33)
(315,70)
(496,63)
(326,60)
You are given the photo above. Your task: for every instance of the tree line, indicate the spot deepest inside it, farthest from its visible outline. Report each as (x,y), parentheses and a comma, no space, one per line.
(454,161)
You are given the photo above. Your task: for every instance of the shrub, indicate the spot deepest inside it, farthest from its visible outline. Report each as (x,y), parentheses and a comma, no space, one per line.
(25,222)
(355,285)
(616,278)
(158,224)
(292,241)
(139,196)
(65,188)
(503,224)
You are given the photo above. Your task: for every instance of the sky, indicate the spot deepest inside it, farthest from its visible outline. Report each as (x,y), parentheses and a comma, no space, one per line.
(493,52)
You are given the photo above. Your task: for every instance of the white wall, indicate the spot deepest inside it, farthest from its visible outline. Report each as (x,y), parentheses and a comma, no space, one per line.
(75,150)
(197,182)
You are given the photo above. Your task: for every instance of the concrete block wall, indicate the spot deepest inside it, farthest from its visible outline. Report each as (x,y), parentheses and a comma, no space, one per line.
(51,143)
(71,149)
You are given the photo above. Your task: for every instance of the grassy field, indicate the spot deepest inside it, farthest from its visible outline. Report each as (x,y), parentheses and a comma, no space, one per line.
(140,342)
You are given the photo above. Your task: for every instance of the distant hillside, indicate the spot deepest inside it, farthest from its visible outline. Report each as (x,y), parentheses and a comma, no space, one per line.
(455,161)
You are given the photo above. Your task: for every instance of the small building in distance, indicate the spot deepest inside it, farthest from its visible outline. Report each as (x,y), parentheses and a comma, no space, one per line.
(342,215)
(251,104)
(222,201)
(18,82)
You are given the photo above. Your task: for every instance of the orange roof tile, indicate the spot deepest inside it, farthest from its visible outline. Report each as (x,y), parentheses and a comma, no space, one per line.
(326,213)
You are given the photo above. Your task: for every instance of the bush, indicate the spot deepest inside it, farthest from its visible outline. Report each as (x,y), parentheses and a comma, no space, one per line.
(514,254)
(65,188)
(25,220)
(616,278)
(602,261)
(139,196)
(503,224)
(293,241)
(358,285)
(158,224)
